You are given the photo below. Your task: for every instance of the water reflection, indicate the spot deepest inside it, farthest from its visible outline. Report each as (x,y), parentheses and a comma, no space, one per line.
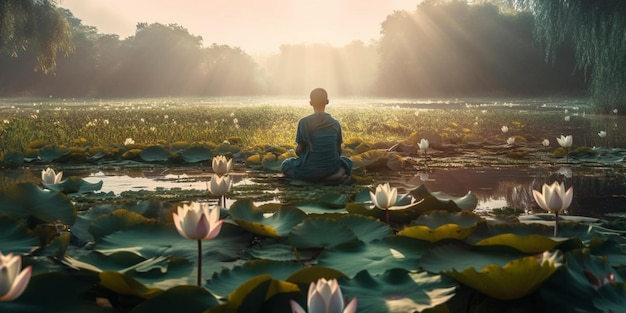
(597,190)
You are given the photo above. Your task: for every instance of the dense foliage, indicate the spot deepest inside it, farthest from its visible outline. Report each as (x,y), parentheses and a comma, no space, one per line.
(449,49)
(597,30)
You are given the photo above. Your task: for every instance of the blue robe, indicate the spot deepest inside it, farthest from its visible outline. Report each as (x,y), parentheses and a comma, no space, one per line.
(321,135)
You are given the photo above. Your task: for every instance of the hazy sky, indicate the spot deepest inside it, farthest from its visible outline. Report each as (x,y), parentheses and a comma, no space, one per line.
(256,26)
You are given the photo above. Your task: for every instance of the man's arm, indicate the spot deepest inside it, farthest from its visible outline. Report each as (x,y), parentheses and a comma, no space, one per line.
(299,149)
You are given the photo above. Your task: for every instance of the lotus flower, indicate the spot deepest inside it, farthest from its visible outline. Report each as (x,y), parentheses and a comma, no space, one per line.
(545,142)
(197,221)
(602,134)
(12,281)
(505,129)
(220,185)
(510,141)
(129,141)
(554,198)
(48,176)
(221,165)
(325,297)
(385,196)
(565,141)
(423,144)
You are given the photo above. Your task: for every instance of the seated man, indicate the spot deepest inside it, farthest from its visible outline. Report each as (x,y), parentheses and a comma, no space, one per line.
(319,142)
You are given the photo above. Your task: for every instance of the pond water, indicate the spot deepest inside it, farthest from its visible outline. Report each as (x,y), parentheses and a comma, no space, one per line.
(598,190)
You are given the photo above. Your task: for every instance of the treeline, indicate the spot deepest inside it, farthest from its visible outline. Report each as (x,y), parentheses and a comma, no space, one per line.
(440,49)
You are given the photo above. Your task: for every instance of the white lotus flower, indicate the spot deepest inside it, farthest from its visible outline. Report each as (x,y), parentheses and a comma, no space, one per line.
(510,141)
(602,134)
(554,198)
(48,176)
(565,141)
(197,221)
(385,196)
(12,281)
(129,141)
(221,165)
(325,297)
(545,142)
(505,129)
(220,185)
(423,144)
(567,118)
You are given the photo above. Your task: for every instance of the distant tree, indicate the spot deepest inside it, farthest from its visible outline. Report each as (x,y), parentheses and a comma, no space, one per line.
(598,30)
(37,26)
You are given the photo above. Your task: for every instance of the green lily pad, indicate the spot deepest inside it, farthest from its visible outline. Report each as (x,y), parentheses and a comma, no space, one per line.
(116,220)
(438,225)
(527,244)
(279,249)
(377,256)
(256,295)
(493,273)
(191,299)
(23,200)
(467,202)
(585,276)
(366,228)
(312,273)
(197,154)
(611,298)
(226,281)
(271,162)
(328,233)
(51,153)
(13,159)
(398,290)
(16,238)
(41,295)
(125,285)
(75,184)
(154,154)
(251,218)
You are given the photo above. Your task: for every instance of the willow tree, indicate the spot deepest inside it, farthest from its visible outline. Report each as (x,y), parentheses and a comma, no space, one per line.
(37,27)
(597,28)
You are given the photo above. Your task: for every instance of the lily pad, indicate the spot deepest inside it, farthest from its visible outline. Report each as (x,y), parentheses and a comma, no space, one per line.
(197,154)
(251,218)
(16,238)
(328,233)
(256,295)
(228,280)
(51,153)
(527,244)
(611,298)
(438,225)
(154,154)
(75,184)
(398,290)
(377,256)
(366,228)
(39,296)
(577,288)
(486,272)
(24,200)
(467,202)
(190,299)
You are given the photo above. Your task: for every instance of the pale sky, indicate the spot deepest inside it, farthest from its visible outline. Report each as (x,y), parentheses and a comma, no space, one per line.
(256,26)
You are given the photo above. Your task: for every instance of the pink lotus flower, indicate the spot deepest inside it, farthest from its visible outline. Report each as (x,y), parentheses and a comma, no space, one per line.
(325,297)
(197,221)
(12,281)
(220,165)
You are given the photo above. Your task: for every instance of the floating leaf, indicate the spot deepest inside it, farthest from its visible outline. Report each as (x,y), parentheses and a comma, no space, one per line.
(377,256)
(527,244)
(44,295)
(439,225)
(328,233)
(467,202)
(75,184)
(16,238)
(366,228)
(191,299)
(252,218)
(611,298)
(398,290)
(228,280)
(51,153)
(23,200)
(197,154)
(253,295)
(125,285)
(154,154)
